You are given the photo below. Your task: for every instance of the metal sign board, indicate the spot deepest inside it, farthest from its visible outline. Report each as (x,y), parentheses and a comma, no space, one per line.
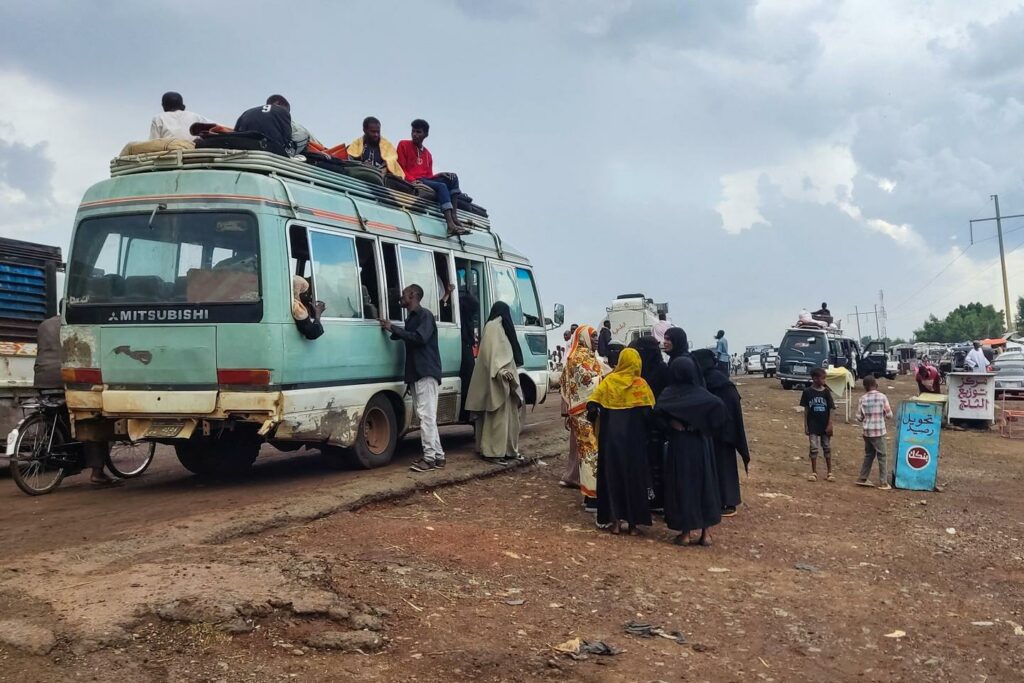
(918,434)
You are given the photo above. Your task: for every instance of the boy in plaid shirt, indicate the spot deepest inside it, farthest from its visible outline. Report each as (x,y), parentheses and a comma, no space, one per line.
(872,412)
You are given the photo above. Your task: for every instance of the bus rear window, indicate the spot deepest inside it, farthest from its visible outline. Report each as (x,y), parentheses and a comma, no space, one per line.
(186,257)
(803,344)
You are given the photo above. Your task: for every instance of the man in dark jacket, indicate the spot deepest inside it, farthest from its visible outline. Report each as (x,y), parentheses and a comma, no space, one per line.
(604,340)
(422,372)
(46,377)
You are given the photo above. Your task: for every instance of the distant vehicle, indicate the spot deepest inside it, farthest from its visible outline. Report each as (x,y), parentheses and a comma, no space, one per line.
(805,348)
(752,364)
(28,296)
(770,362)
(876,361)
(632,316)
(1009,368)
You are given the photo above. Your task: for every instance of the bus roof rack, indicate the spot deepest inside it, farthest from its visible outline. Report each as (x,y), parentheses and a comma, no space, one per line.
(273,164)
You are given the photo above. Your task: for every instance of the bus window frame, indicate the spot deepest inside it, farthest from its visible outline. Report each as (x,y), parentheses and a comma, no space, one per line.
(453,279)
(402,283)
(512,266)
(536,296)
(154,305)
(308,226)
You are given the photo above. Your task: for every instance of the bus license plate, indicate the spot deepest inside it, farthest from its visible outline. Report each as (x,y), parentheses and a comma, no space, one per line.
(164,429)
(800,369)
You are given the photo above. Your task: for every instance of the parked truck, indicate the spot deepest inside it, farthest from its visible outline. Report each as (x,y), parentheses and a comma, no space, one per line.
(28,296)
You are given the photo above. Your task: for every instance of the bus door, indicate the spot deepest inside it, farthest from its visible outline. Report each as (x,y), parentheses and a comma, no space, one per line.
(344,273)
(432,270)
(469,279)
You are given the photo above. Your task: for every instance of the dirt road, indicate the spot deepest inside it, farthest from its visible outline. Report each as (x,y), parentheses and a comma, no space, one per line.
(296,574)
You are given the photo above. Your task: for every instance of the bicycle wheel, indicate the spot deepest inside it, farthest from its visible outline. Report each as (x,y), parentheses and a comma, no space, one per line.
(33,469)
(127,459)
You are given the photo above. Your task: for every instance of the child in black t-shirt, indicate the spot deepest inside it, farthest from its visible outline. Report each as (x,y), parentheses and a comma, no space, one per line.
(818,405)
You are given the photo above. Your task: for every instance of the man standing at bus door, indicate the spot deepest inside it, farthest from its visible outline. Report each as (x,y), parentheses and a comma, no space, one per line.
(722,352)
(422,372)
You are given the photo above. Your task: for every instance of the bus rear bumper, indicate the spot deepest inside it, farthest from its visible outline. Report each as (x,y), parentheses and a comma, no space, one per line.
(102,414)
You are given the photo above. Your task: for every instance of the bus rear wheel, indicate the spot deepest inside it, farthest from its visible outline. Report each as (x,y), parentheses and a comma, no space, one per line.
(378,434)
(226,456)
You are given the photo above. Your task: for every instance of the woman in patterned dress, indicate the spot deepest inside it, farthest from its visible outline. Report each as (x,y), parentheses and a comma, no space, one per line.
(580,377)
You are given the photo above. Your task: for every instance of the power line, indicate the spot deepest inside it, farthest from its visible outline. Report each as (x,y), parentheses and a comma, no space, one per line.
(947,266)
(961,289)
(936,277)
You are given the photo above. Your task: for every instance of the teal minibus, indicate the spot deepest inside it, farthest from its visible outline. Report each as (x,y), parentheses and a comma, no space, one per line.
(178,324)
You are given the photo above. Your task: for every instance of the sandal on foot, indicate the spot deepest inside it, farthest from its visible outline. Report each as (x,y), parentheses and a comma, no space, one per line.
(863,482)
(681,539)
(812,477)
(830,477)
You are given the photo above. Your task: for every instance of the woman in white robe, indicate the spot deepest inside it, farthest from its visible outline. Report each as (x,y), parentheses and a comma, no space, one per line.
(495,397)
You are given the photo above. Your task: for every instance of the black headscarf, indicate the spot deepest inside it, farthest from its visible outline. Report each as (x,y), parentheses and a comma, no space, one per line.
(735,434)
(501,310)
(654,370)
(684,399)
(680,344)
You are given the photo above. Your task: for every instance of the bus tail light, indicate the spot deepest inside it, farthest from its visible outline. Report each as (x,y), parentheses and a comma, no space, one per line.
(81,376)
(246,376)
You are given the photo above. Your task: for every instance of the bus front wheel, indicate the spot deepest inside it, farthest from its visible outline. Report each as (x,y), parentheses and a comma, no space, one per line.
(378,434)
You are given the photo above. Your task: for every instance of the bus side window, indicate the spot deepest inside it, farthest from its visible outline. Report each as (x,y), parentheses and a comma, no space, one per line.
(446,305)
(418,269)
(368,278)
(503,281)
(528,297)
(391,282)
(336,273)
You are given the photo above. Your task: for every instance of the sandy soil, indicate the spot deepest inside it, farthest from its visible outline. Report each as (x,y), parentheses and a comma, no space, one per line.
(428,579)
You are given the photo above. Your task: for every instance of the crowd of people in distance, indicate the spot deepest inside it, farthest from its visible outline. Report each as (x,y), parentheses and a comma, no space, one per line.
(650,437)
(179,128)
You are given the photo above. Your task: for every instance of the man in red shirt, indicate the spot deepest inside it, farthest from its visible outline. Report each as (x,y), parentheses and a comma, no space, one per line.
(928,378)
(418,164)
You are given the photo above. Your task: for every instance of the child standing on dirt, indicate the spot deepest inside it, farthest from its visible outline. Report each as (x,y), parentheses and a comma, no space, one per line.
(872,413)
(818,405)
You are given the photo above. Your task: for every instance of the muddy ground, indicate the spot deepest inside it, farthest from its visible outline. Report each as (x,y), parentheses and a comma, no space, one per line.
(302,572)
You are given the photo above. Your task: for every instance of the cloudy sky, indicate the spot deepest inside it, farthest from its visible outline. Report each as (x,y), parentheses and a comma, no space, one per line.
(739,159)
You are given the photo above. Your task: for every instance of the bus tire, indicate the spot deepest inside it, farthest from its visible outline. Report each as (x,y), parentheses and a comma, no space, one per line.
(223,457)
(786,386)
(378,434)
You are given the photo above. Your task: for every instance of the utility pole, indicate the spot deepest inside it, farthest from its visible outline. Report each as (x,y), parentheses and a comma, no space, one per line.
(1002,263)
(878,332)
(1002,255)
(857,313)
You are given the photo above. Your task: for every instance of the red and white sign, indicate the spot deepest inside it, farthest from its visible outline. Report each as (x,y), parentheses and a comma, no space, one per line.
(918,457)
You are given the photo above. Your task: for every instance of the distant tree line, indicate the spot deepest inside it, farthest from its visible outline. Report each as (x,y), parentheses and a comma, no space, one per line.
(967,322)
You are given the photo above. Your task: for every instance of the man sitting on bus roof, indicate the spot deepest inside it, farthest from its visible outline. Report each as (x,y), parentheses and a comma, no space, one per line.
(274,121)
(174,122)
(418,165)
(374,150)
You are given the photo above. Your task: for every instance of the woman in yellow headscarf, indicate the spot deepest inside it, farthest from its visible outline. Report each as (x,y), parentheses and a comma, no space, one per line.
(621,407)
(581,376)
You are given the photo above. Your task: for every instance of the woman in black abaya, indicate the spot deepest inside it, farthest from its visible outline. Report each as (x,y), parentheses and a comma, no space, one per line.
(734,436)
(621,405)
(655,373)
(676,344)
(692,417)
